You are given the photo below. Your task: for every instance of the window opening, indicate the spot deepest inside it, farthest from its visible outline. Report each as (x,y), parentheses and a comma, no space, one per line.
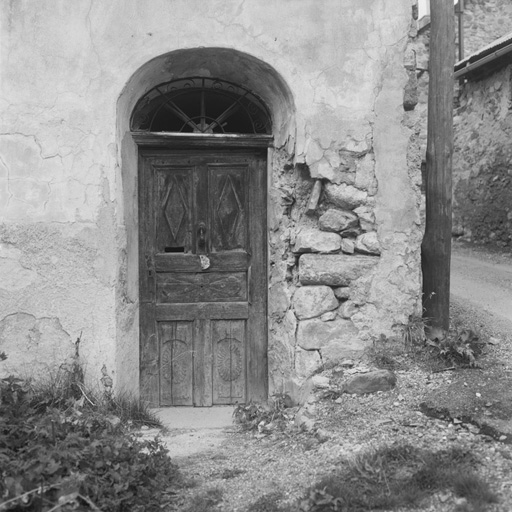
(201,105)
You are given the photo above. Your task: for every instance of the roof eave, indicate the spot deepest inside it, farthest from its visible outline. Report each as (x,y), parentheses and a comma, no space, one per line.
(471,66)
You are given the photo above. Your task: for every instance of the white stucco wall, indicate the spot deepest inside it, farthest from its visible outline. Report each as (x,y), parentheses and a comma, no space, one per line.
(65,252)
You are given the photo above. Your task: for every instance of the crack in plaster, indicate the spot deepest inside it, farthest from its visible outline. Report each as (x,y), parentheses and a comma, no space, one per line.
(90,31)
(8,170)
(36,142)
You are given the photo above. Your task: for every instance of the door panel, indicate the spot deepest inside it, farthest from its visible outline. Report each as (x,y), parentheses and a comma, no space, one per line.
(174,211)
(176,362)
(202,219)
(228,337)
(228,208)
(212,287)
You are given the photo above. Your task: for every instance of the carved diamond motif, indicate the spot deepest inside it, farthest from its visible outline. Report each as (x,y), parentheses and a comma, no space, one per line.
(175,208)
(229,209)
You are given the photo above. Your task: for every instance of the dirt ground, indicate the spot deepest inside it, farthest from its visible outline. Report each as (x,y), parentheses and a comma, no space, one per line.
(232,470)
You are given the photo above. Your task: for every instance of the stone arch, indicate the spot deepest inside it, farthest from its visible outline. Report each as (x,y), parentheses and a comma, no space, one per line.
(222,63)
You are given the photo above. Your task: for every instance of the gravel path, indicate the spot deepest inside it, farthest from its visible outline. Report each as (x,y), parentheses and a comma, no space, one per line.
(260,472)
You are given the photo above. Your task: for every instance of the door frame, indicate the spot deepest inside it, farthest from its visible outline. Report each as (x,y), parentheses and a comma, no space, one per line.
(160,141)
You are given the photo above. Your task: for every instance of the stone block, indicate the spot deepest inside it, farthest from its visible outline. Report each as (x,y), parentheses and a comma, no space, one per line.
(342,292)
(366,218)
(348,349)
(411,91)
(278,301)
(312,240)
(337,220)
(365,174)
(368,243)
(320,381)
(333,269)
(345,196)
(306,362)
(371,382)
(347,246)
(315,334)
(312,301)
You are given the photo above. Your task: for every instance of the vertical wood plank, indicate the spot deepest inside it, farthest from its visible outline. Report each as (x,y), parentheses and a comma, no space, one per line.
(176,363)
(229,361)
(149,355)
(147,230)
(203,385)
(238,384)
(201,217)
(257,365)
(149,360)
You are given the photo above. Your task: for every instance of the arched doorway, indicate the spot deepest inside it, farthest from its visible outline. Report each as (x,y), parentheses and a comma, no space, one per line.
(202,242)
(196,128)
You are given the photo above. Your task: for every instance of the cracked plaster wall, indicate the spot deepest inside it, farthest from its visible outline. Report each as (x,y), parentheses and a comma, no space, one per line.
(67,173)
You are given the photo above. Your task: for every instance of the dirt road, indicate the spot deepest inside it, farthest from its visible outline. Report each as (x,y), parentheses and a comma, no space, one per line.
(481,284)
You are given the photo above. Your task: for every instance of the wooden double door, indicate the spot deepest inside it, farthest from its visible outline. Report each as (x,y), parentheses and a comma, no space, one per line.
(203,276)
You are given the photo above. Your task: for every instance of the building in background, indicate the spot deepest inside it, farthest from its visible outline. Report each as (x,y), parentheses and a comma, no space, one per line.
(482,168)
(478,214)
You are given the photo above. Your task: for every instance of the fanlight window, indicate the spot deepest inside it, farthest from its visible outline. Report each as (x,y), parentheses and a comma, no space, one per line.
(201,105)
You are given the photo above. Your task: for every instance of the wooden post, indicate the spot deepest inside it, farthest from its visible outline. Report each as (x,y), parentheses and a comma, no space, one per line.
(436,246)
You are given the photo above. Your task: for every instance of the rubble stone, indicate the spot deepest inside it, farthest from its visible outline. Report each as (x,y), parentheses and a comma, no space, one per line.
(347,246)
(313,301)
(312,240)
(366,218)
(345,196)
(342,292)
(306,362)
(367,243)
(337,220)
(371,382)
(333,269)
(315,334)
(320,381)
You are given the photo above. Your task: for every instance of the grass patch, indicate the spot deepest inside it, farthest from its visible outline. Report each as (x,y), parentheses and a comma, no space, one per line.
(458,348)
(268,503)
(398,476)
(227,474)
(204,501)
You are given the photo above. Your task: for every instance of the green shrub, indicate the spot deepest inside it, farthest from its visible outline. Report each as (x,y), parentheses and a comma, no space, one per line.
(58,457)
(65,448)
(276,415)
(458,348)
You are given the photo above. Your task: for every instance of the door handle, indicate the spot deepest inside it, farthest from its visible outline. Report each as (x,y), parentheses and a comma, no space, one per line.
(201,235)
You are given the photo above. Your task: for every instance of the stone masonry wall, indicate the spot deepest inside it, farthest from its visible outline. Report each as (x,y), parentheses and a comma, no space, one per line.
(484,22)
(482,180)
